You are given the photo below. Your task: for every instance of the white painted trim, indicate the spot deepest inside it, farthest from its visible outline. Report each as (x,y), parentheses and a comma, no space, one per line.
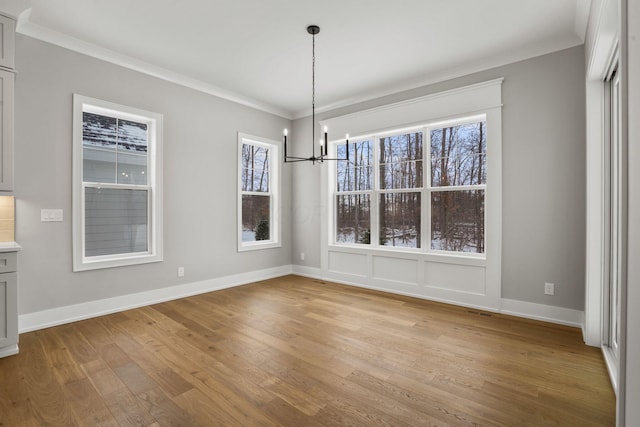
(316,273)
(28,28)
(446,105)
(71,313)
(154,186)
(275,189)
(310,272)
(594,268)
(601,42)
(9,350)
(493,207)
(453,106)
(449,74)
(611,364)
(527,310)
(543,312)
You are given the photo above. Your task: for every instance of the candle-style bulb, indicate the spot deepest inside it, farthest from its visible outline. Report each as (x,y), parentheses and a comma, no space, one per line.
(326,129)
(285,132)
(346,138)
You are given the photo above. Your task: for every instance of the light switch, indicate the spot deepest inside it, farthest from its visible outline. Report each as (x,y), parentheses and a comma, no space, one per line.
(51,215)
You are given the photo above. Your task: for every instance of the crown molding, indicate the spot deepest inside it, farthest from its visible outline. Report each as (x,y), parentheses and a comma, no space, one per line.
(551,46)
(29,28)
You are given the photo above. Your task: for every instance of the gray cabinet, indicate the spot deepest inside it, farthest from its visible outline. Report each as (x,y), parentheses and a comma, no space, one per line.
(8,250)
(7,31)
(7,41)
(6,133)
(8,303)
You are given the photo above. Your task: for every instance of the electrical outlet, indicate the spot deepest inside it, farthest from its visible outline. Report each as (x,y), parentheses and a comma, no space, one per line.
(301,256)
(549,289)
(180,271)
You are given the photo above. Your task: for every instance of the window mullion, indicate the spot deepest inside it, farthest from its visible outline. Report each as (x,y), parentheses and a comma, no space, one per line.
(425,217)
(117,148)
(375,196)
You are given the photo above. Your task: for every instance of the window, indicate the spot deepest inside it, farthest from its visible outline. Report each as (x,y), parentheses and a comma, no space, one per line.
(447,209)
(417,208)
(353,195)
(400,183)
(258,188)
(615,201)
(458,182)
(117,191)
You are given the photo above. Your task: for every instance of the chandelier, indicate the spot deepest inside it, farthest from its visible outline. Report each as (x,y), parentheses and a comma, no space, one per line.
(323,142)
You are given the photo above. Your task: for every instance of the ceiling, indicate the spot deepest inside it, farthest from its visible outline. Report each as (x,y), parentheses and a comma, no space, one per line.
(258,52)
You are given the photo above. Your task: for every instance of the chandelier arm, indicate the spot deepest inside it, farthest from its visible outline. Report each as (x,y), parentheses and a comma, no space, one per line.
(294,158)
(333,158)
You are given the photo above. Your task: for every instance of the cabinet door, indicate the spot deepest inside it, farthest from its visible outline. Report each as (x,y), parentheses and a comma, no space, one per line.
(6,130)
(8,310)
(7,42)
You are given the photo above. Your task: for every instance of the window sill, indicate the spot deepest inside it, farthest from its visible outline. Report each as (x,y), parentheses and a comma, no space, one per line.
(257,246)
(478,260)
(110,262)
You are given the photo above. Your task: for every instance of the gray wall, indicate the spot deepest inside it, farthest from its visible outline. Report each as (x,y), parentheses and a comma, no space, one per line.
(543,139)
(200,137)
(543,178)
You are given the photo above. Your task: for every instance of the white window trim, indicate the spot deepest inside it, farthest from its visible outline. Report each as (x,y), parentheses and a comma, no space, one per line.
(275,190)
(425,191)
(478,99)
(154,175)
(613,248)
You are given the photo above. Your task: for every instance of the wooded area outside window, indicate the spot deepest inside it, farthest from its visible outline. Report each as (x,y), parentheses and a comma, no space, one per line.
(383,200)
(258,193)
(117,186)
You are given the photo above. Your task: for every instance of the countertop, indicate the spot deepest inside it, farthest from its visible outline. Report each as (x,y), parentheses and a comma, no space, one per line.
(9,247)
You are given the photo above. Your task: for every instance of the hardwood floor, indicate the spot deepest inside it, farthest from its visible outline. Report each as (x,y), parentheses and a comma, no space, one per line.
(299,352)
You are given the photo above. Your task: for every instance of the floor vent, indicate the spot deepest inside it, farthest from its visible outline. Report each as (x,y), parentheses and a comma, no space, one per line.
(481,313)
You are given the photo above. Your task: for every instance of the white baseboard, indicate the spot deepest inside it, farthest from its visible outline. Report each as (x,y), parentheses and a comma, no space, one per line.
(546,313)
(311,272)
(71,313)
(527,310)
(9,351)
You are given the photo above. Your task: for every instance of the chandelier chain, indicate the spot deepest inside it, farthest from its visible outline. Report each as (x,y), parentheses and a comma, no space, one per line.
(313,93)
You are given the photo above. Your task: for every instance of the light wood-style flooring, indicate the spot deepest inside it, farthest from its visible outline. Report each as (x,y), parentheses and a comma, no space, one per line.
(299,352)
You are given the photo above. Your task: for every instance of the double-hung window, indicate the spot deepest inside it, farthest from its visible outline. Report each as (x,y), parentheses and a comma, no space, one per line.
(258,188)
(400,168)
(117,185)
(458,174)
(382,198)
(354,185)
